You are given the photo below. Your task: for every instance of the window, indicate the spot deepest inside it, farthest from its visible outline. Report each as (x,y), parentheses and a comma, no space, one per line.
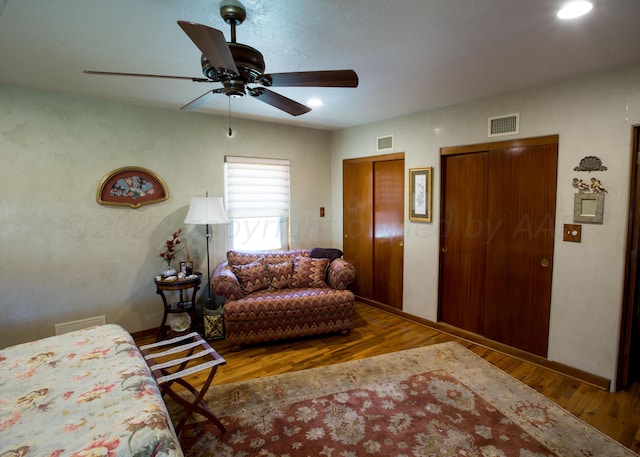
(257,197)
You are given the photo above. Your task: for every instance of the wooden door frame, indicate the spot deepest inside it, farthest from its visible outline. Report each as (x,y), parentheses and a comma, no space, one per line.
(630,294)
(507,144)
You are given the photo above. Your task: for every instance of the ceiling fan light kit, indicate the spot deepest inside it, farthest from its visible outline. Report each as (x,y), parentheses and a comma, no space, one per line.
(240,68)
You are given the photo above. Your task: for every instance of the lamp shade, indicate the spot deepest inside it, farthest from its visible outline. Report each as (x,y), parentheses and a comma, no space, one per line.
(206,210)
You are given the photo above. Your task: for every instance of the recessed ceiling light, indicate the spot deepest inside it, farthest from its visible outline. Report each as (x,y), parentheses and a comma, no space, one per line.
(575,9)
(315,102)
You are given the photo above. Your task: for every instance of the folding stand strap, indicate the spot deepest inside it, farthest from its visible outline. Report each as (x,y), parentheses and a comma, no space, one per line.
(198,341)
(187,371)
(171,341)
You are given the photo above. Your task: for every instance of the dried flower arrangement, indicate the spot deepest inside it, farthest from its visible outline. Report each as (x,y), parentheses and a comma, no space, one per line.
(171,247)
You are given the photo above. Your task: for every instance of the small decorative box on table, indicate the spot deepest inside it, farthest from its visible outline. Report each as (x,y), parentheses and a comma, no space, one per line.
(186,304)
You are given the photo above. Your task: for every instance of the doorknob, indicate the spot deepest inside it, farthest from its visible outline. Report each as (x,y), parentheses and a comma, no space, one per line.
(401,243)
(544,263)
(444,250)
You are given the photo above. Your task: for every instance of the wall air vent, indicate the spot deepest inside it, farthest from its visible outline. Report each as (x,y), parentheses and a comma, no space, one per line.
(507,124)
(385,143)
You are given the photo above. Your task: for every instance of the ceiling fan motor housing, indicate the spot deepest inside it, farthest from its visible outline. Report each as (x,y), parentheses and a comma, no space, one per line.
(250,64)
(249,61)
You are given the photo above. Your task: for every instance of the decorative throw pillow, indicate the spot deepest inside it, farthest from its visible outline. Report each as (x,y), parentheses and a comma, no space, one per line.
(252,276)
(280,274)
(309,272)
(328,253)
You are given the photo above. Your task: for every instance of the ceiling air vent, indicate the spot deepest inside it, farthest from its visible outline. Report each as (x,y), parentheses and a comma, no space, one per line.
(507,124)
(385,143)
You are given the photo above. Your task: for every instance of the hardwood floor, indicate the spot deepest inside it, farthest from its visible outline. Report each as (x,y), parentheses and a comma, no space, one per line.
(379,332)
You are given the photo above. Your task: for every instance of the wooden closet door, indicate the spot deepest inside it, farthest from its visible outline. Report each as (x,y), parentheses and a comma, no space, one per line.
(462,240)
(373,226)
(521,225)
(388,232)
(497,235)
(357,202)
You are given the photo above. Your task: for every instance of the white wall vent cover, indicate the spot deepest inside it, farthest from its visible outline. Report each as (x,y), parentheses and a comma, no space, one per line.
(385,143)
(507,124)
(66,327)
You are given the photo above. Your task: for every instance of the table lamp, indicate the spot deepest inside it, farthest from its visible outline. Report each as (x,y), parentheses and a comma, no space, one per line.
(205,211)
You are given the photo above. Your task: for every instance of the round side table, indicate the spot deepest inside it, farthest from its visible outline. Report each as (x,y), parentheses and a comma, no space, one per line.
(187,289)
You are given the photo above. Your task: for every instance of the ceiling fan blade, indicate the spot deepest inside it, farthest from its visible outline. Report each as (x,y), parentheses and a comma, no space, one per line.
(212,44)
(201,100)
(143,75)
(328,78)
(279,101)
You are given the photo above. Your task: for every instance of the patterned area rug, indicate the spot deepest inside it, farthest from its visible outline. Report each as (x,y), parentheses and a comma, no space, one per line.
(440,400)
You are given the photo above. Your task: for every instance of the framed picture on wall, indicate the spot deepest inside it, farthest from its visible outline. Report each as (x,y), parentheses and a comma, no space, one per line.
(420,190)
(131,186)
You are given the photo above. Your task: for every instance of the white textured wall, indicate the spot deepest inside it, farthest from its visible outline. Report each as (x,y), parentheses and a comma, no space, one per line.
(593,116)
(64,257)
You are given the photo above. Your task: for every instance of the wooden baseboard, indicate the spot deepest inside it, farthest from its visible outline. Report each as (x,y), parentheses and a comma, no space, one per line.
(144,333)
(582,376)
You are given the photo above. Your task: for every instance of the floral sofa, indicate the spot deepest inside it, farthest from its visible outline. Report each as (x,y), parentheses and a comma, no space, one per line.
(284,294)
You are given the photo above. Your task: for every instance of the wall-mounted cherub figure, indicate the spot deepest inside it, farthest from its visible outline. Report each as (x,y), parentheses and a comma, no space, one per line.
(580,185)
(597,187)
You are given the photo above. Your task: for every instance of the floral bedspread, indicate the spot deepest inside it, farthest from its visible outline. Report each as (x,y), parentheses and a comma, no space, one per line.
(84,393)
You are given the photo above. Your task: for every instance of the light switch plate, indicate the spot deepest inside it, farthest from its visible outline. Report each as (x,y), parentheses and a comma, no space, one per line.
(573,233)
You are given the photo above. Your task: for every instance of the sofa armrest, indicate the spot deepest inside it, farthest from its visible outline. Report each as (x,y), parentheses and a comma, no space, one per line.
(341,273)
(225,283)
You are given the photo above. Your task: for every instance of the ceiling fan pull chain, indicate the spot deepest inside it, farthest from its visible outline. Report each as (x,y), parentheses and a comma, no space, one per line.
(230,131)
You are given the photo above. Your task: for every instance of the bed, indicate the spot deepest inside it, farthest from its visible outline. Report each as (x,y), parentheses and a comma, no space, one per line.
(84,393)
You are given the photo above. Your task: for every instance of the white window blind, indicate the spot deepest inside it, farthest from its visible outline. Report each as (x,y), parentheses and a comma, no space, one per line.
(256,187)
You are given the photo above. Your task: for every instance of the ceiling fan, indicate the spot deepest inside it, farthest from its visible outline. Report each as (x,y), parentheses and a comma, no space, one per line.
(240,68)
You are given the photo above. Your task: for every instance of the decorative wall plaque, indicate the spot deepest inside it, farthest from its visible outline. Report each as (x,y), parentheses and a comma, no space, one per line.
(590,163)
(131,186)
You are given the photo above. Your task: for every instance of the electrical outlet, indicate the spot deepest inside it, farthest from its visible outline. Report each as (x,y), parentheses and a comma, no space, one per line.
(572,232)
(322,211)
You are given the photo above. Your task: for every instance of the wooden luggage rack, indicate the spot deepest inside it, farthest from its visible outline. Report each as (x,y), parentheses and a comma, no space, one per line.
(172,365)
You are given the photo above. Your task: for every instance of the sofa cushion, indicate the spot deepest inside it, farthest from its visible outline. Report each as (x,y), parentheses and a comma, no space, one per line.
(287,313)
(280,274)
(252,276)
(309,272)
(273,257)
(310,304)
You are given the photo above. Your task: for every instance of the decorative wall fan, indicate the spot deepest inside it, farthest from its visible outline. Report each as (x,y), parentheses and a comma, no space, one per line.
(240,68)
